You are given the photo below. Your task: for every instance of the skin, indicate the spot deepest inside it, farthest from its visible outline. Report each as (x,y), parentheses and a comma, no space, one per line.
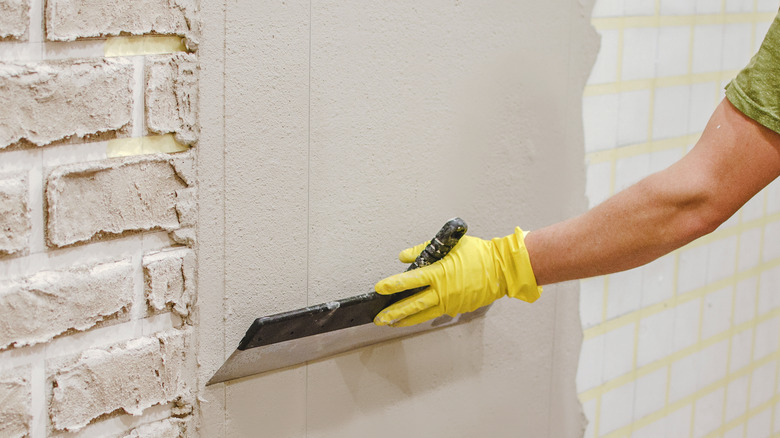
(734,159)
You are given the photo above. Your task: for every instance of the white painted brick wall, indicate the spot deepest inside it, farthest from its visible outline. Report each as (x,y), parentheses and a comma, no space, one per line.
(15,413)
(91,200)
(169,280)
(40,100)
(68,20)
(49,303)
(172,96)
(95,284)
(168,428)
(131,377)
(15,225)
(14,19)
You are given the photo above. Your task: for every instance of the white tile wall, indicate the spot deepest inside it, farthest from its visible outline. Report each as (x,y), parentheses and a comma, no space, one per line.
(759,425)
(754,208)
(670,111)
(773,198)
(599,114)
(745,301)
(678,423)
(639,51)
(737,397)
(749,249)
(662,159)
(650,393)
(771,237)
(598,183)
(741,349)
(617,408)
(766,5)
(713,362)
(673,51)
(712,304)
(716,317)
(703,103)
(704,7)
(737,41)
(655,337)
(684,377)
(608,8)
(605,68)
(590,369)
(624,296)
(618,352)
(678,7)
(591,301)
(630,170)
(765,342)
(658,280)
(686,324)
(635,8)
(721,259)
(634,110)
(769,291)
(707,48)
(708,413)
(739,6)
(762,384)
(693,268)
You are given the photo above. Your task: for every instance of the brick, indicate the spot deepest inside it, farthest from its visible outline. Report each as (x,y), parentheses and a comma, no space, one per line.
(169,277)
(15,224)
(172,96)
(14,19)
(111,197)
(168,428)
(15,403)
(55,101)
(129,377)
(37,308)
(68,20)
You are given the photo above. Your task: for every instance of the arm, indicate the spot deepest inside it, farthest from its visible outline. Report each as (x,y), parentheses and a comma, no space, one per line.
(734,159)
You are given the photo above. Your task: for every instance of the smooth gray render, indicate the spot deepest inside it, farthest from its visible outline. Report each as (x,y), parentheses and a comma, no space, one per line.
(335,134)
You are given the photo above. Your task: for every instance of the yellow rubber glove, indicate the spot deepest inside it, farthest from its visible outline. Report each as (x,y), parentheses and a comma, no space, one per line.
(474,274)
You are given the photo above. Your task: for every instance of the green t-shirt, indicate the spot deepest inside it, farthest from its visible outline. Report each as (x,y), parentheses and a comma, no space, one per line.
(756,89)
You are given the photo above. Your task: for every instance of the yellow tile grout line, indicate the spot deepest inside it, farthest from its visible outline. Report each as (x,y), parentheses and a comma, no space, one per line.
(596,421)
(641,149)
(692,398)
(731,339)
(658,82)
(619,381)
(744,418)
(644,312)
(617,23)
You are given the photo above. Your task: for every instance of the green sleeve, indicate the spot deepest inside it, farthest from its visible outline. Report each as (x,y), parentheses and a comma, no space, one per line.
(756,89)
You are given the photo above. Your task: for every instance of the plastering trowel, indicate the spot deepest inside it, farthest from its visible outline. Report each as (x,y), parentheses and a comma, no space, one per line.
(315,332)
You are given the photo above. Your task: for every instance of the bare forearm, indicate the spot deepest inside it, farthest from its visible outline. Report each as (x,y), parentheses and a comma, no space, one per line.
(630,229)
(734,159)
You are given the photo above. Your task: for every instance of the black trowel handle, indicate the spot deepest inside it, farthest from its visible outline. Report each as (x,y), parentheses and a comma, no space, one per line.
(445,240)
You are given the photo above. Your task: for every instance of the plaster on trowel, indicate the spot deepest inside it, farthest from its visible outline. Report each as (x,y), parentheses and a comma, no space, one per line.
(298,336)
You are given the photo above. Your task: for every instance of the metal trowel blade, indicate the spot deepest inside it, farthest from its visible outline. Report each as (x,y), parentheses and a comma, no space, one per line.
(257,360)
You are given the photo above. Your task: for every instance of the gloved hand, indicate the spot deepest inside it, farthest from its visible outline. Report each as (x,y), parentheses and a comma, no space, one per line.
(475,273)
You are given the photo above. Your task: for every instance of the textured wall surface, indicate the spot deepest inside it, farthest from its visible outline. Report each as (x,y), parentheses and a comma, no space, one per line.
(687,345)
(96,270)
(336,134)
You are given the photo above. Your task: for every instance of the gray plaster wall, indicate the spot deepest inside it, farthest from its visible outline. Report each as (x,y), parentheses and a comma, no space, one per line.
(335,134)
